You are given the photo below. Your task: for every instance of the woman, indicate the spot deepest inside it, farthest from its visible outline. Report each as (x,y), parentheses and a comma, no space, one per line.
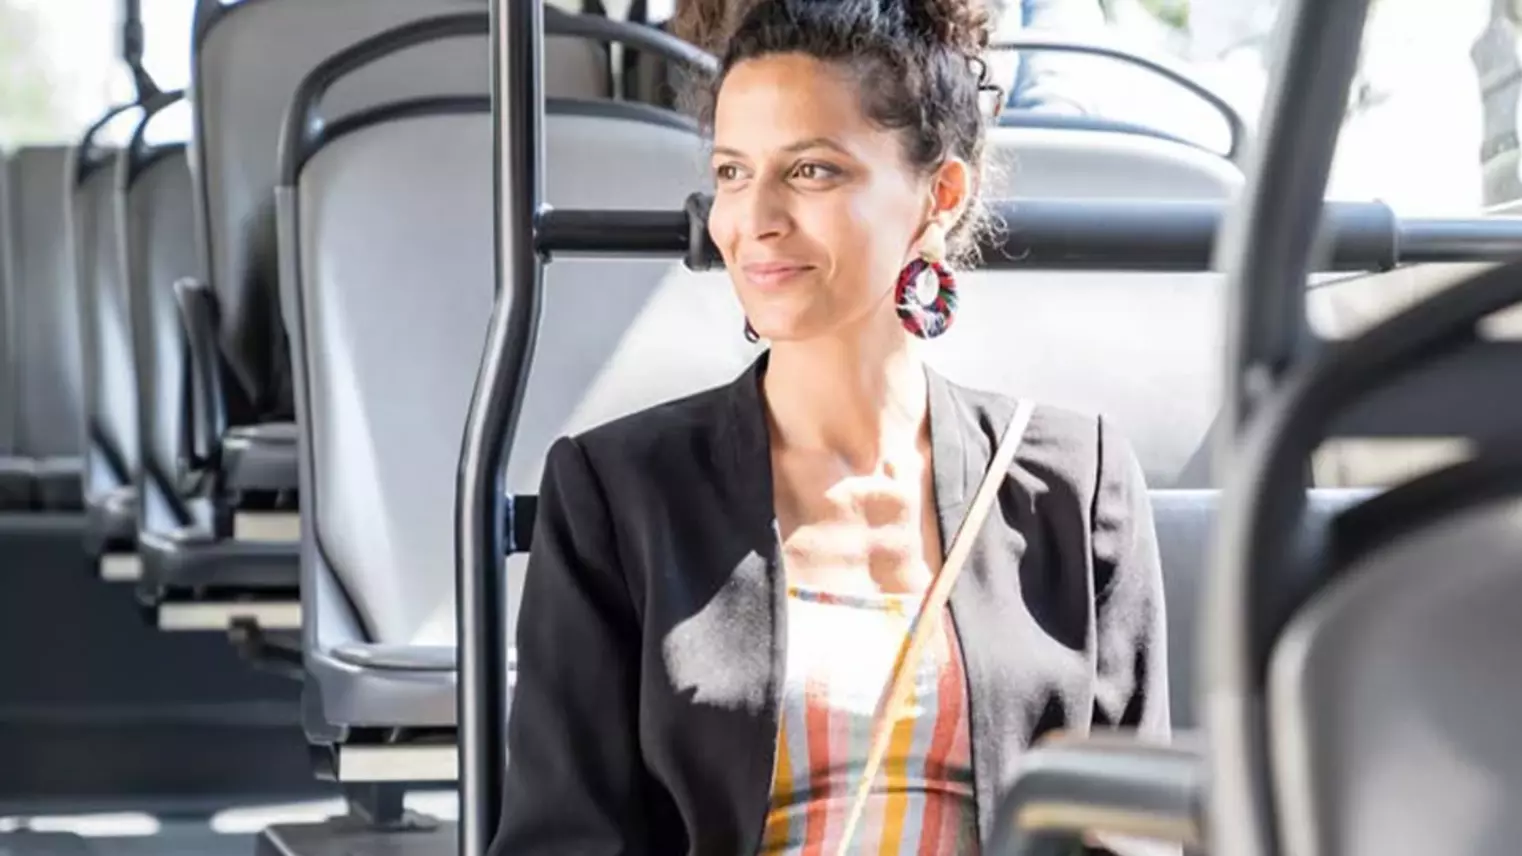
(718,585)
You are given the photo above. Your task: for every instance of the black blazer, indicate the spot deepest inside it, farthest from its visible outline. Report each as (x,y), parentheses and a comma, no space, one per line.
(650,638)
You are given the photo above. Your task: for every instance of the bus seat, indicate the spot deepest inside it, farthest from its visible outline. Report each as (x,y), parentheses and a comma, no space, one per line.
(184,535)
(1185,521)
(388,238)
(238,99)
(1390,699)
(239,94)
(109,426)
(1075,163)
(396,368)
(47,399)
(1140,348)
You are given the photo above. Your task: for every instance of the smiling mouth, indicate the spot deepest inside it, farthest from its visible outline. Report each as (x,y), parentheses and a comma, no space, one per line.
(765,275)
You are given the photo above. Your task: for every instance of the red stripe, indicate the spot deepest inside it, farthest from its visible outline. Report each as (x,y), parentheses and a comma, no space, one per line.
(817,726)
(948,714)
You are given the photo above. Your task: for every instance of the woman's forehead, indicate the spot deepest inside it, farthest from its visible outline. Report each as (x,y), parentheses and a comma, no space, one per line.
(775,102)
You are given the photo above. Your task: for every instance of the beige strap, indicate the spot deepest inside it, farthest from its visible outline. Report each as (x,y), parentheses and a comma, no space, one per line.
(927,620)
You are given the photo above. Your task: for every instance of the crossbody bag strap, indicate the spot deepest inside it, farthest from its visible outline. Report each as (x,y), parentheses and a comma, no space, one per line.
(927,620)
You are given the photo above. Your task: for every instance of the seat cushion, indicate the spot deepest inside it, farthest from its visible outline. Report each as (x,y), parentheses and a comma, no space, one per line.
(364,685)
(16,479)
(189,558)
(422,658)
(59,484)
(260,457)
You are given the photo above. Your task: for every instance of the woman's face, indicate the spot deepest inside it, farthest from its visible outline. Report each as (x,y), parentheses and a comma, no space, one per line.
(815,210)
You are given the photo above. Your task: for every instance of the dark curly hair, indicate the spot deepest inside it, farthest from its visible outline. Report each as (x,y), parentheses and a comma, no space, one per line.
(918,65)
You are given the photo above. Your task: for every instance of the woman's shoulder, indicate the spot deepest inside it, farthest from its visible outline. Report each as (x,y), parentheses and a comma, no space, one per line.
(1058,442)
(665,441)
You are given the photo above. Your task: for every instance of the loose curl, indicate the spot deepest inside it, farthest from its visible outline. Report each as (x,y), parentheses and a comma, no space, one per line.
(918,65)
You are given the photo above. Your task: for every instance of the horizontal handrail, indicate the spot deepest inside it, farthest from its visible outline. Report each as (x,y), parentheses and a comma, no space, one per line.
(1077,234)
(1160,66)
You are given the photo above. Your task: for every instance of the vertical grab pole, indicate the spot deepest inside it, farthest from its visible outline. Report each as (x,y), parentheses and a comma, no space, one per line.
(518,106)
(1266,247)
(1268,244)
(132,49)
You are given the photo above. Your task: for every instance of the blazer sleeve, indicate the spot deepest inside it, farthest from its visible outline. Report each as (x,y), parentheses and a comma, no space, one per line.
(574,774)
(1131,619)
(1130,614)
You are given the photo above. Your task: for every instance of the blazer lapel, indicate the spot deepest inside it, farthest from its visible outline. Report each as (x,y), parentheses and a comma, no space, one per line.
(962,438)
(749,468)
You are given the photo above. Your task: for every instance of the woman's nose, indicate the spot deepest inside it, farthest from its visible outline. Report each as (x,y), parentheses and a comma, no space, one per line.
(767,214)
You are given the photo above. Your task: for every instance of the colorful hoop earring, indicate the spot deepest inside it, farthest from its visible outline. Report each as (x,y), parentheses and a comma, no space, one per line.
(751,335)
(926,320)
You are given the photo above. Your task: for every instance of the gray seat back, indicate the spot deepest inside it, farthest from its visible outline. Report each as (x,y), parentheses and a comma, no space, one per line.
(394,301)
(1070,163)
(105,329)
(157,241)
(393,274)
(1185,521)
(1393,696)
(248,59)
(44,318)
(1139,347)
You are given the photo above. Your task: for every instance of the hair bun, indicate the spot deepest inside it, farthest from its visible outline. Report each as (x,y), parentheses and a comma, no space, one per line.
(960,25)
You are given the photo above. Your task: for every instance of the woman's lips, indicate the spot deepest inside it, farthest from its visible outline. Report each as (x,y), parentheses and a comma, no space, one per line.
(773,274)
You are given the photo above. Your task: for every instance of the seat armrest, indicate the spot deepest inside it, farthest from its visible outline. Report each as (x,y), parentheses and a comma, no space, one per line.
(1103,789)
(260,457)
(204,410)
(111,521)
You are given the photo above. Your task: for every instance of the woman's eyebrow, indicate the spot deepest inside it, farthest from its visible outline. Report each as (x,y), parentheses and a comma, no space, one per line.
(815,143)
(791,148)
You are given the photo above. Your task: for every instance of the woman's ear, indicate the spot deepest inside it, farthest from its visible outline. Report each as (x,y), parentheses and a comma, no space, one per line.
(951,189)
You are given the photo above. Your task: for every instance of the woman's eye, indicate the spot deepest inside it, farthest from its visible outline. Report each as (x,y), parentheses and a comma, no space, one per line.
(726,172)
(812,171)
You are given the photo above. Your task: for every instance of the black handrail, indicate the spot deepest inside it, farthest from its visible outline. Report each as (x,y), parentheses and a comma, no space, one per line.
(1081,234)
(86,161)
(558,22)
(132,49)
(1156,65)
(1100,124)
(138,155)
(1267,248)
(303,120)
(304,123)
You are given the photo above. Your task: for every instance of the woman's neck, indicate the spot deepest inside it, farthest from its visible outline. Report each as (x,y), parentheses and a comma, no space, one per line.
(859,396)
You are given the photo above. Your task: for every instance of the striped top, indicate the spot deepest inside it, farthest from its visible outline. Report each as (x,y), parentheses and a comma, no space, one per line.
(840,653)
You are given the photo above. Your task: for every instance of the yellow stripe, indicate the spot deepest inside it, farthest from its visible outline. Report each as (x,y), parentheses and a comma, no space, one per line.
(777,820)
(896,766)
